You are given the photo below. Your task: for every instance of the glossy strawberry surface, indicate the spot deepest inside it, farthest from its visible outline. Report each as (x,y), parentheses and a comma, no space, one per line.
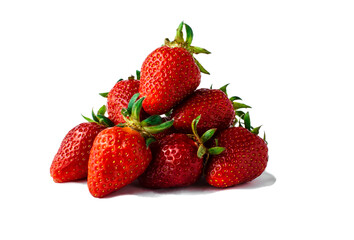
(213,105)
(168,75)
(119,97)
(118,156)
(70,162)
(175,163)
(244,159)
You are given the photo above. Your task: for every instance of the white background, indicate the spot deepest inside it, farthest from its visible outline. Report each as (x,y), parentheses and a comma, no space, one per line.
(292,61)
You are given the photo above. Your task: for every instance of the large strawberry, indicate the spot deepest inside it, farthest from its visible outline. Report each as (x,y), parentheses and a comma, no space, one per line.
(170,73)
(244,159)
(118,97)
(120,154)
(178,159)
(214,106)
(70,162)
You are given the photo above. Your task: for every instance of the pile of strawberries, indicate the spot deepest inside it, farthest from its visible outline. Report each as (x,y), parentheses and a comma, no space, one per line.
(163,131)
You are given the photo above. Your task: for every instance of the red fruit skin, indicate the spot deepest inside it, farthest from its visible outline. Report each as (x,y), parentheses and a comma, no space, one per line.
(70,162)
(168,75)
(244,159)
(175,163)
(118,157)
(213,105)
(119,97)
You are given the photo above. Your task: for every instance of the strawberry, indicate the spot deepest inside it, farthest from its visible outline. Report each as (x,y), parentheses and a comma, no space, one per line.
(118,98)
(170,73)
(213,105)
(70,162)
(119,155)
(244,159)
(178,160)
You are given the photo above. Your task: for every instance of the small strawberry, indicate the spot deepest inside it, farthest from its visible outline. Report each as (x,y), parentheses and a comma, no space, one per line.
(214,106)
(178,160)
(118,97)
(70,162)
(244,159)
(120,154)
(170,73)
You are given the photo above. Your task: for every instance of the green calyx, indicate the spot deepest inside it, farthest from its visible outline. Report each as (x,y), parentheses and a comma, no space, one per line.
(147,127)
(100,117)
(202,149)
(105,94)
(241,118)
(180,42)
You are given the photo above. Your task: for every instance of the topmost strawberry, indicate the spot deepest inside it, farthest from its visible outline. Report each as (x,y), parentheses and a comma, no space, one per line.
(170,73)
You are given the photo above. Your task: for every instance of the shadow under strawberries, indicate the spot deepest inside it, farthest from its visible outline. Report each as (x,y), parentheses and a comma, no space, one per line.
(200,187)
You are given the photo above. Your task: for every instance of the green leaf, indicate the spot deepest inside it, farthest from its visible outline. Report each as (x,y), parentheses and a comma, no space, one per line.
(233,98)
(202,150)
(179,33)
(247,121)
(102,110)
(223,88)
(241,114)
(197,50)
(264,138)
(152,120)
(105,94)
(216,142)
(216,150)
(94,116)
(121,79)
(211,86)
(201,68)
(131,102)
(149,141)
(87,119)
(238,105)
(137,74)
(121,125)
(256,130)
(158,128)
(105,120)
(189,36)
(124,112)
(169,113)
(194,126)
(207,135)
(135,114)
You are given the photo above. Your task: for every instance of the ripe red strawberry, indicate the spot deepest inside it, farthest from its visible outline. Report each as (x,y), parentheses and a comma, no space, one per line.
(120,154)
(170,73)
(70,162)
(118,157)
(245,158)
(213,105)
(118,98)
(177,160)
(175,164)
